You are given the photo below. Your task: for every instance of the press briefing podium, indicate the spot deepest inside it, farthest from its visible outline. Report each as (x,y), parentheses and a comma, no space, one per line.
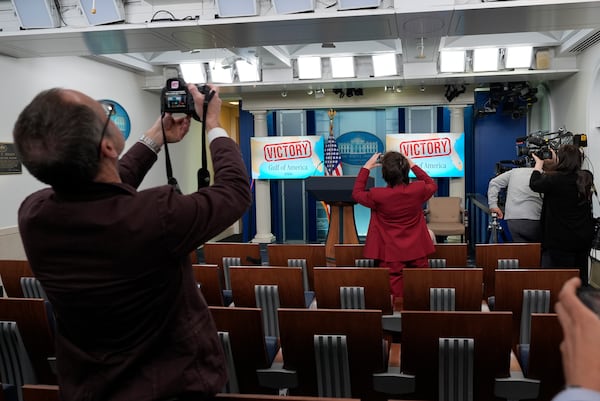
(336,191)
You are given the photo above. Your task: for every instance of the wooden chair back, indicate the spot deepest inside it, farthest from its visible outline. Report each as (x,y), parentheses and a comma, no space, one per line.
(510,284)
(261,397)
(314,254)
(346,254)
(421,331)
(11,272)
(31,316)
(468,284)
(455,254)
(40,392)
(545,360)
(364,333)
(287,279)
(210,278)
(249,253)
(375,281)
(487,255)
(247,337)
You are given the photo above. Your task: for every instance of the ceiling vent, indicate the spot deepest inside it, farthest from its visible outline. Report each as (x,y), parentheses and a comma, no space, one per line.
(586,43)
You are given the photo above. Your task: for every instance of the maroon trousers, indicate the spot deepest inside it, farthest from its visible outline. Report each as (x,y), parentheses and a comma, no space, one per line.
(396,276)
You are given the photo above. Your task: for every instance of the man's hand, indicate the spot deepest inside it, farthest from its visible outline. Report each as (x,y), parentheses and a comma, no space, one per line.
(498,212)
(175,128)
(581,343)
(213,112)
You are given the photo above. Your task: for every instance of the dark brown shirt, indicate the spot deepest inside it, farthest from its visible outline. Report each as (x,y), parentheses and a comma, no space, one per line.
(114,263)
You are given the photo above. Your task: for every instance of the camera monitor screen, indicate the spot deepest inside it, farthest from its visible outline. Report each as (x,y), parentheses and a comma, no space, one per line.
(287,157)
(439,154)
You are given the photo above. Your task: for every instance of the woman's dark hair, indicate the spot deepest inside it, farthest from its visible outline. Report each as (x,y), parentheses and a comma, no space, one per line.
(570,158)
(585,184)
(395,168)
(57,140)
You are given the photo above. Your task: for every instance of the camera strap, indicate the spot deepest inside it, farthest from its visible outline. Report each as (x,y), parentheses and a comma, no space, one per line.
(172,181)
(203,174)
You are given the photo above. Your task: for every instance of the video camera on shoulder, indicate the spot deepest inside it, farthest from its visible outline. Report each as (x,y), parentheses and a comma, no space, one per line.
(175,98)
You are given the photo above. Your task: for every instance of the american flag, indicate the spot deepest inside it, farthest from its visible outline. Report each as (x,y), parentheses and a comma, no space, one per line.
(333,159)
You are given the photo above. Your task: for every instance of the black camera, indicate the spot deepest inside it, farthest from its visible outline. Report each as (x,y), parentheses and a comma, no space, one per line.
(175,98)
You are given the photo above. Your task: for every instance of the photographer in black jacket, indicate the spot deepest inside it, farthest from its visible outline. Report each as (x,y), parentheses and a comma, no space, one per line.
(567,222)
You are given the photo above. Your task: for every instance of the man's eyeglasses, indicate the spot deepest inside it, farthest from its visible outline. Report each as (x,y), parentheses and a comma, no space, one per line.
(110,111)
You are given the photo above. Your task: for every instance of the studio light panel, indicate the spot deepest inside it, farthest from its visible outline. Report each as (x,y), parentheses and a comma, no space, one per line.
(354,4)
(36,13)
(237,8)
(293,6)
(103,11)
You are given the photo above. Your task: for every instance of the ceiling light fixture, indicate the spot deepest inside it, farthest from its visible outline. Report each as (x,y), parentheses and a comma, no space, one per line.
(518,57)
(452,60)
(486,59)
(342,67)
(309,67)
(238,8)
(384,64)
(293,6)
(193,72)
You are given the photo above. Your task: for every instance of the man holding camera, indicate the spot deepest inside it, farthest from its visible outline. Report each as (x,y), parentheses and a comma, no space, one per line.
(523,206)
(114,262)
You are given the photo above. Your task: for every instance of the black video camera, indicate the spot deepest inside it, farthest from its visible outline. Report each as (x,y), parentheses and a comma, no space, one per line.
(175,98)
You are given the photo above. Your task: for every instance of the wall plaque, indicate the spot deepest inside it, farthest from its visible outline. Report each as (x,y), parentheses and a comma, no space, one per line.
(9,162)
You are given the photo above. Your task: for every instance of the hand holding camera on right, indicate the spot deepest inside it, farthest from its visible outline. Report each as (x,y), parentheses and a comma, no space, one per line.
(214,106)
(581,343)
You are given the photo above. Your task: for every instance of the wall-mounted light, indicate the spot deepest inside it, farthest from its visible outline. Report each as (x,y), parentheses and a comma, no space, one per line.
(453,91)
(284,93)
(319,93)
(422,88)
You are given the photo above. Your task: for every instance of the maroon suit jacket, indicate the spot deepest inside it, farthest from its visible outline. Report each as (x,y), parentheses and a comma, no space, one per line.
(397,230)
(114,262)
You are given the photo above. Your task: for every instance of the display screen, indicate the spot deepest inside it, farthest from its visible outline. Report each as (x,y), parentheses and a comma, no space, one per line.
(287,157)
(439,154)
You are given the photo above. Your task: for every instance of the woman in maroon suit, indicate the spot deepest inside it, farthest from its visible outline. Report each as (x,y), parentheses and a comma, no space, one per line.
(397,236)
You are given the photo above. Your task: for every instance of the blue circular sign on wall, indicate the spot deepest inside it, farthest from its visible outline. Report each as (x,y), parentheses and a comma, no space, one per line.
(120,117)
(356,147)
